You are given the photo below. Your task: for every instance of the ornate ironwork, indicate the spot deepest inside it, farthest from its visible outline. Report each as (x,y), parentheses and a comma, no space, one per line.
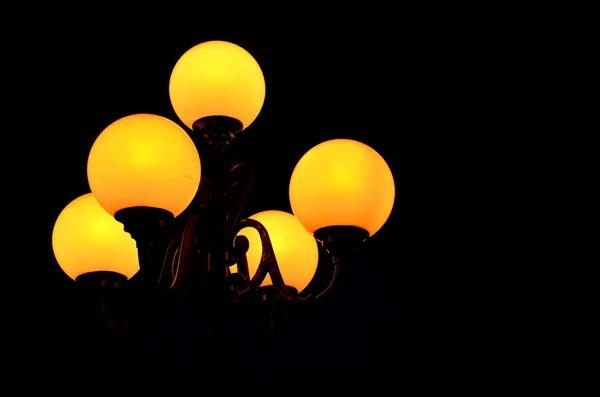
(197,249)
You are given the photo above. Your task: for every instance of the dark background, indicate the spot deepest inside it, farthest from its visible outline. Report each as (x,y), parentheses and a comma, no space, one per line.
(416,317)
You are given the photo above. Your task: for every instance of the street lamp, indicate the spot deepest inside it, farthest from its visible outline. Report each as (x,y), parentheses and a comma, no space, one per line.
(166,200)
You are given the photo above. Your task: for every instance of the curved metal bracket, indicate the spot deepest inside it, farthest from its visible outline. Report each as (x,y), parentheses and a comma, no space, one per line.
(268,264)
(336,269)
(186,256)
(242,185)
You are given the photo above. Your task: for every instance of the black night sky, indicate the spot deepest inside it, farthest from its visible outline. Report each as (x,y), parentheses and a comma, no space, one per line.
(408,323)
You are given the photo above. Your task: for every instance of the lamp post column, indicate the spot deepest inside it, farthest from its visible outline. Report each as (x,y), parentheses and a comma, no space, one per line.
(212,136)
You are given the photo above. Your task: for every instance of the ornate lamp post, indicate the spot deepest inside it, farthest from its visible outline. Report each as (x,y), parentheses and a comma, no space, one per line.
(165,201)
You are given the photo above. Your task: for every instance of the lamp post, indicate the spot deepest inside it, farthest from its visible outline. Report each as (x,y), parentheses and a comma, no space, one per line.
(165,202)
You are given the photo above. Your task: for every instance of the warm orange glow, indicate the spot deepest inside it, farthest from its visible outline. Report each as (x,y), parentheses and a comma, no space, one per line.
(144,160)
(342,182)
(217,78)
(295,249)
(86,238)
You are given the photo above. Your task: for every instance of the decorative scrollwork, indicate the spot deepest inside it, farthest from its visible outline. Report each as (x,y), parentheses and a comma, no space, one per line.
(268,265)
(241,184)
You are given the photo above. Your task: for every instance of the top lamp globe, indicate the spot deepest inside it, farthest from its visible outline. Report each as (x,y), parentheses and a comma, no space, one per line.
(217,78)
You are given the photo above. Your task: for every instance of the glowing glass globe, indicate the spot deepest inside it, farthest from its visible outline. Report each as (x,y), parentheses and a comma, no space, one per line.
(144,160)
(342,182)
(295,249)
(217,78)
(86,238)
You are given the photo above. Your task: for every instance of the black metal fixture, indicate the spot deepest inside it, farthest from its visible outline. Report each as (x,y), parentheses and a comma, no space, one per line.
(179,195)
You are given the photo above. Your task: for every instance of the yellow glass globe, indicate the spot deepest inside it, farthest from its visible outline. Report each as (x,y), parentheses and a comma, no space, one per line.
(342,182)
(295,249)
(85,239)
(217,78)
(144,160)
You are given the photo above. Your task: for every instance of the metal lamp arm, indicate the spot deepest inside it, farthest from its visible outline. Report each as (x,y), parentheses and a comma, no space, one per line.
(187,254)
(268,264)
(336,269)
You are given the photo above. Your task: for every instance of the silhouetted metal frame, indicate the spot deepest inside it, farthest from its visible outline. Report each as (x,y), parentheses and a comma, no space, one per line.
(225,192)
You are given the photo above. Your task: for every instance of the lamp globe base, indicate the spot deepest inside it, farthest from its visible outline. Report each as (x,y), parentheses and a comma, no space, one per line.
(215,132)
(341,240)
(143,222)
(101,280)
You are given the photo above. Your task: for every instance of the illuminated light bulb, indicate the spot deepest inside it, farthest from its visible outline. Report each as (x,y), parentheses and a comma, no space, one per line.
(144,160)
(217,78)
(342,182)
(295,249)
(86,238)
